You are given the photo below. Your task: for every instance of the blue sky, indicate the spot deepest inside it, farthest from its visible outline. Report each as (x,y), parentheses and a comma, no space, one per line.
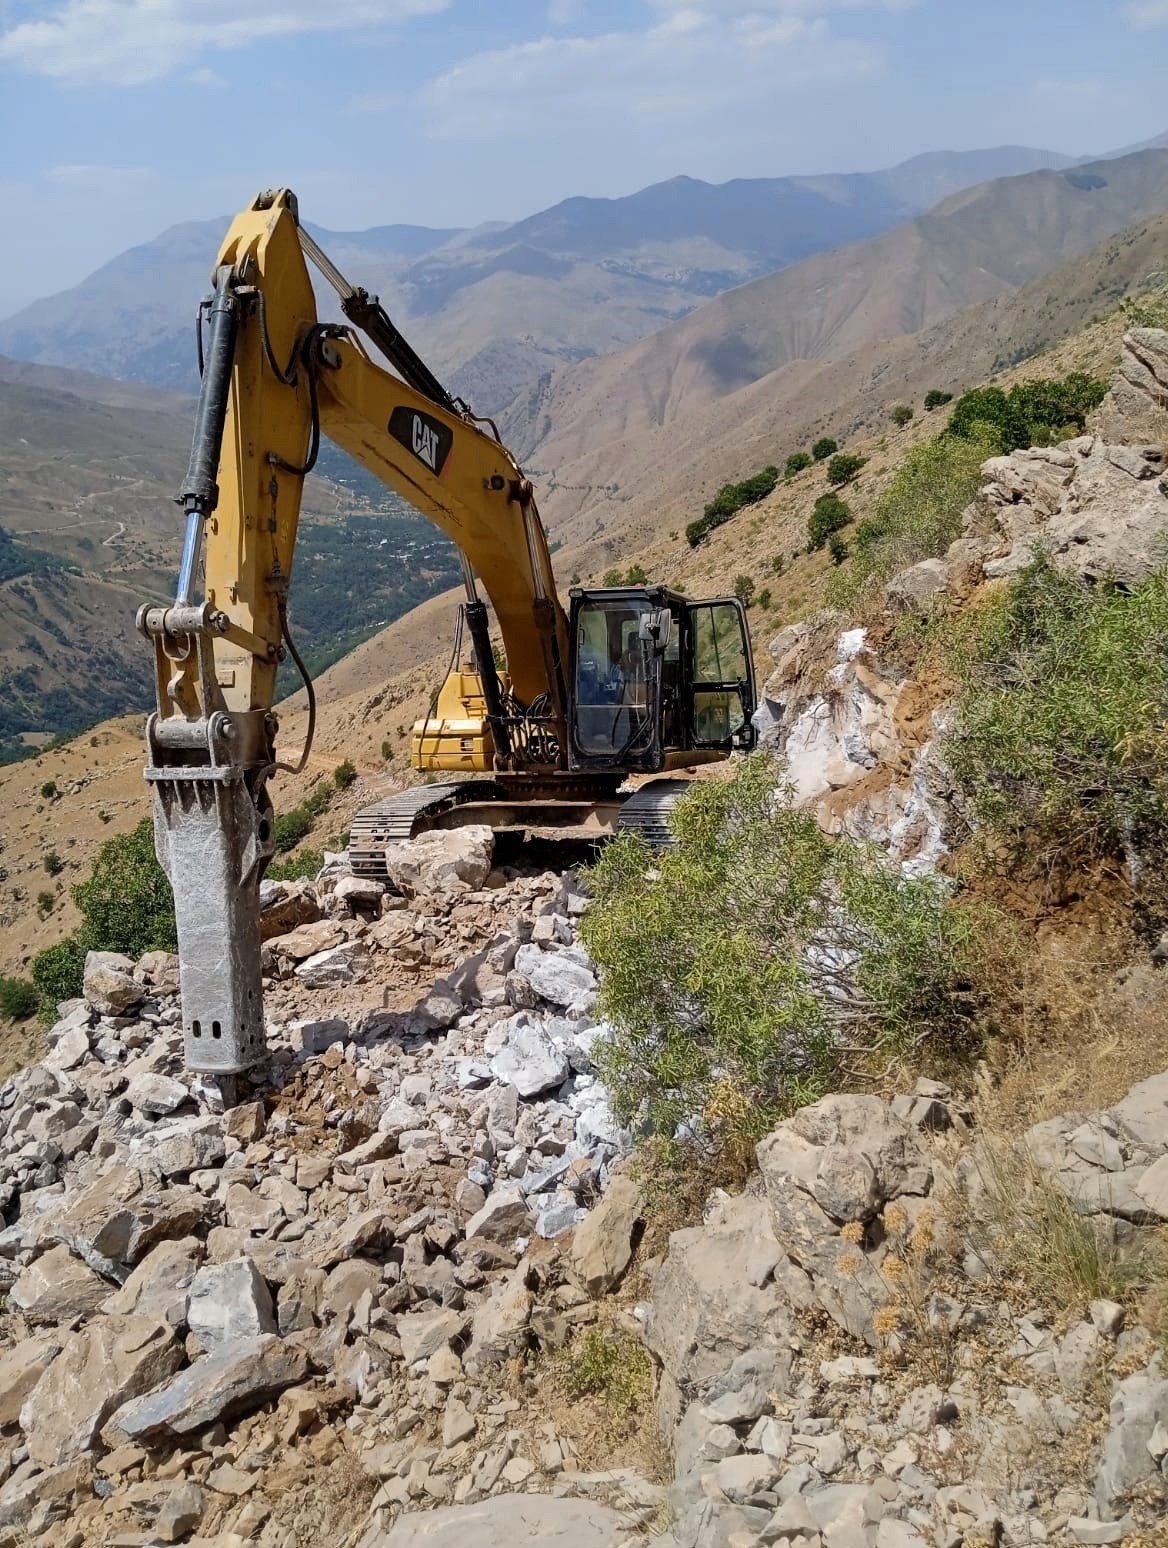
(121,117)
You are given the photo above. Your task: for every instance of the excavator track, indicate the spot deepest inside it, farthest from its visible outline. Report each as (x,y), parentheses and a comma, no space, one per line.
(647,811)
(406,815)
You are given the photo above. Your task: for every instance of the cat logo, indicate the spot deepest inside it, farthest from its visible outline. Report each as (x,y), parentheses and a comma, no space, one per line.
(428,438)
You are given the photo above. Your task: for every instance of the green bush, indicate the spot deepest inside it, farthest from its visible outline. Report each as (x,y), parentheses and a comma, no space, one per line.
(302,867)
(935,399)
(1037,413)
(49,789)
(344,775)
(1060,725)
(386,752)
(59,970)
(824,448)
(778,564)
(612,578)
(52,862)
(744,969)
(901,415)
(744,589)
(764,599)
(18,998)
(45,903)
(837,548)
(126,903)
(917,516)
(292,826)
(829,515)
(796,462)
(843,467)
(636,576)
(729,500)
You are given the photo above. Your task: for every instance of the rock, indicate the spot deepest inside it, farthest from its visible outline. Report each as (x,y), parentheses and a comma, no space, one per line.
(529,1060)
(157,1094)
(246,1122)
(1133,410)
(21,1367)
(359,894)
(285,906)
(160,969)
(516,1520)
(714,1297)
(1108,1317)
(109,983)
(57,1287)
(347,964)
(315,1036)
(743,1478)
(69,1049)
(116,1220)
(458,1423)
(499,1325)
(920,584)
(602,1246)
(423,1333)
(502,1218)
(232,1380)
(1139,1404)
(1153,1187)
(309,940)
(181,1512)
(109,1362)
(160,1286)
(1084,1530)
(441,864)
(1142,1115)
(556,976)
(229,1302)
(178,1149)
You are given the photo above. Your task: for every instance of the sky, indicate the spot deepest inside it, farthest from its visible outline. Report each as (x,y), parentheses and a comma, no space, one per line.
(119,118)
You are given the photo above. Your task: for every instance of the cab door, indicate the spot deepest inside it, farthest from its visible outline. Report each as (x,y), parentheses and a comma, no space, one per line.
(721,674)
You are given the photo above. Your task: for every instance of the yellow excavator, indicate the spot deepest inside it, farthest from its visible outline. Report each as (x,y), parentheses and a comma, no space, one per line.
(631,680)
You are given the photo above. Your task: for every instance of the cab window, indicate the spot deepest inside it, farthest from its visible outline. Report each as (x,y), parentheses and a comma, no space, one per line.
(719,668)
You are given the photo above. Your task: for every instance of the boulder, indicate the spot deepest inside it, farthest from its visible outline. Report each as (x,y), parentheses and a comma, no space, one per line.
(441,864)
(423,1333)
(560,977)
(359,894)
(159,969)
(110,1361)
(309,939)
(21,1367)
(1133,410)
(229,1302)
(529,1060)
(346,964)
(156,1094)
(115,1221)
(498,1328)
(160,1286)
(233,1379)
(502,1218)
(58,1288)
(285,906)
(603,1243)
(1127,1463)
(109,983)
(919,584)
(179,1148)
(69,1049)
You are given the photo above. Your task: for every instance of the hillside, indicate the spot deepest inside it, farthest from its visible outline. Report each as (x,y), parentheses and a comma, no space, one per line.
(496,306)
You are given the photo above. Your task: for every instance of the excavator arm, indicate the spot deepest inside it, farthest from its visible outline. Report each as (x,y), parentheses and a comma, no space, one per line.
(274,379)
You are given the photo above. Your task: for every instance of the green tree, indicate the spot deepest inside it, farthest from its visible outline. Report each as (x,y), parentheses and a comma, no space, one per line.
(935,399)
(636,576)
(779,564)
(58,971)
(52,862)
(612,578)
(824,448)
(764,599)
(744,589)
(901,415)
(796,462)
(49,789)
(837,548)
(126,904)
(829,515)
(344,775)
(1033,413)
(843,467)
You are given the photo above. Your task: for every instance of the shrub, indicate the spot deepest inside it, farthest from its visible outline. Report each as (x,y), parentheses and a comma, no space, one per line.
(843,467)
(837,548)
(59,970)
(18,998)
(917,516)
(1035,413)
(744,589)
(747,969)
(778,564)
(52,862)
(344,775)
(49,789)
(824,448)
(386,752)
(796,462)
(302,867)
(292,826)
(935,399)
(45,903)
(764,598)
(829,515)
(126,904)
(1060,725)
(901,415)
(636,576)
(611,578)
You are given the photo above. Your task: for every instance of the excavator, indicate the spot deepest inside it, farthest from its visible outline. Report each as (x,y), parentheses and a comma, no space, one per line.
(630,680)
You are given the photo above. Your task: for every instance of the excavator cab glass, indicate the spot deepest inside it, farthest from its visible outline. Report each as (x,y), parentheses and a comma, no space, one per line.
(656,681)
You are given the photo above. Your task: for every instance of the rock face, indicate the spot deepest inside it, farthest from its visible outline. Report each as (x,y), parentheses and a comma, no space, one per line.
(1133,413)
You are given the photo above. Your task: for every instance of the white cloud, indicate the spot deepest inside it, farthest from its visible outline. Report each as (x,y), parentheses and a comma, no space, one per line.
(208,78)
(131,42)
(722,58)
(1147,13)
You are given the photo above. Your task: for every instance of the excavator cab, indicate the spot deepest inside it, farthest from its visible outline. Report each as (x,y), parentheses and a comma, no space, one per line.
(657,681)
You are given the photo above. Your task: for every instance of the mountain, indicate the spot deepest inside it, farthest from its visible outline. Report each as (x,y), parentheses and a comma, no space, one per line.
(684,397)
(496,306)
(89,530)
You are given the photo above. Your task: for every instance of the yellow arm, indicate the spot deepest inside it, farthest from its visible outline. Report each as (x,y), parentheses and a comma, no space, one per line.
(274,380)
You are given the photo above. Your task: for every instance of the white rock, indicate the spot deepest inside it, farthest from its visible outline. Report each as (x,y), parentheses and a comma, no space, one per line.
(229,1301)
(529,1060)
